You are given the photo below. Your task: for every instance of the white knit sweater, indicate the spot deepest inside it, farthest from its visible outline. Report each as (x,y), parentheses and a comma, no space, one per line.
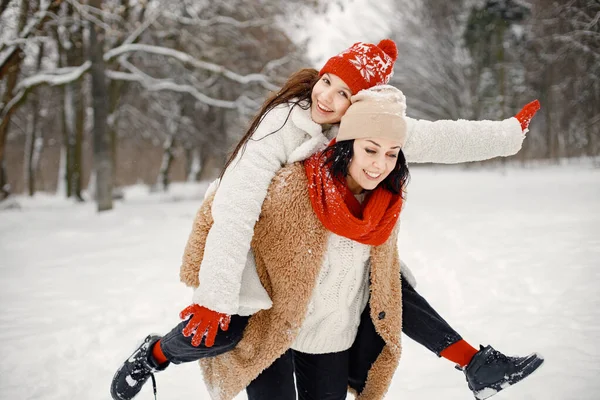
(339,298)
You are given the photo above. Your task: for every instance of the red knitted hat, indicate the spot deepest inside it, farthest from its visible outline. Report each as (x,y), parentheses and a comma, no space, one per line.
(364,65)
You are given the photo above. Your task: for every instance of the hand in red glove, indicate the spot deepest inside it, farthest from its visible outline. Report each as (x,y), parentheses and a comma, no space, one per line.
(524,116)
(203,322)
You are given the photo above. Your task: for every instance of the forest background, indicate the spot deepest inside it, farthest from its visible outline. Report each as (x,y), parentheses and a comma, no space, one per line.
(98,95)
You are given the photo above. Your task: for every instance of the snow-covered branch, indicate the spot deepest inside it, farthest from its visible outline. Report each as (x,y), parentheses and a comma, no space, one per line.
(88,14)
(20,42)
(56,77)
(140,29)
(273,64)
(217,20)
(189,60)
(571,41)
(162,84)
(87,10)
(35,22)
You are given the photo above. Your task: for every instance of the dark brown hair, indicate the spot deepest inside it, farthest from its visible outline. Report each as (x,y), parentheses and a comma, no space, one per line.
(338,157)
(296,91)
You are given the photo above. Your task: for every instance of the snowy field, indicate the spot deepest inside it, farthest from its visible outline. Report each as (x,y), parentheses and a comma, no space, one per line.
(509,256)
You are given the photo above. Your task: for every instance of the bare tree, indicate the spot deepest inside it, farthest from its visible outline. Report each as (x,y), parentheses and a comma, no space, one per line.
(10,68)
(434,65)
(34,140)
(102,156)
(565,66)
(11,58)
(137,56)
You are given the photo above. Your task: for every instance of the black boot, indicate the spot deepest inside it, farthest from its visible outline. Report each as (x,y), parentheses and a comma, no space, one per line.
(491,371)
(135,371)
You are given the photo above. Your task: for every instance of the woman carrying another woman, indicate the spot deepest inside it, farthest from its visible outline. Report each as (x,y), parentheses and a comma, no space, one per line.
(293,124)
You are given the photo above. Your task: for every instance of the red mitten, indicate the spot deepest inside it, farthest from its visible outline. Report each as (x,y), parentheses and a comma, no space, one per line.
(524,116)
(203,322)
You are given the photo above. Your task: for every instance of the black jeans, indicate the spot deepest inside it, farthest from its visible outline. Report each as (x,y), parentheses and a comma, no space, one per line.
(423,324)
(318,377)
(420,322)
(179,349)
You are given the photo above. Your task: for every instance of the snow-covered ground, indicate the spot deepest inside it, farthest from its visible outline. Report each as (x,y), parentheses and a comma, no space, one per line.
(509,256)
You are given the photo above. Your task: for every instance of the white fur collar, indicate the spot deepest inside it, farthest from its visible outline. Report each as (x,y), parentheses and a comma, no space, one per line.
(302,119)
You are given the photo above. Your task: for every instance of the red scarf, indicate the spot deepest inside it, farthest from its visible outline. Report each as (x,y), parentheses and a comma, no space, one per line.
(340,212)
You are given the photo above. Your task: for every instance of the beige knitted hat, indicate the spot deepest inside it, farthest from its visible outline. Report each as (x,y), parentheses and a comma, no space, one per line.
(376,112)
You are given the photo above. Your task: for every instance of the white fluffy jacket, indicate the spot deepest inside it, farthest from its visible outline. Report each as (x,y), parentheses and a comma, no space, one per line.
(228,279)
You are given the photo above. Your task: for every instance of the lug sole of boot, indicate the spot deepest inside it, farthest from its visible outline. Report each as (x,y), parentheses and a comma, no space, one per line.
(113,390)
(531,364)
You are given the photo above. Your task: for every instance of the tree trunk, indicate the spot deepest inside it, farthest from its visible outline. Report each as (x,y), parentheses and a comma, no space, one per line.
(33,141)
(192,166)
(114,93)
(501,75)
(102,153)
(163,180)
(68,119)
(63,185)
(77,174)
(13,67)
(11,82)
(75,108)
(77,139)
(550,121)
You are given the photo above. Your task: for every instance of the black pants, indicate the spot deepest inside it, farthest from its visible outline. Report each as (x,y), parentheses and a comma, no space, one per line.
(423,324)
(318,377)
(420,322)
(179,349)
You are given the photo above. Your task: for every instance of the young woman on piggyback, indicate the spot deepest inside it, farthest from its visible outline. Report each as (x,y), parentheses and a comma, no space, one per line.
(293,124)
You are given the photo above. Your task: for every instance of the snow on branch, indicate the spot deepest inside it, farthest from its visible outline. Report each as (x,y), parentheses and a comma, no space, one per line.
(88,13)
(220,19)
(189,60)
(21,42)
(57,77)
(571,42)
(277,62)
(142,27)
(35,22)
(87,10)
(163,84)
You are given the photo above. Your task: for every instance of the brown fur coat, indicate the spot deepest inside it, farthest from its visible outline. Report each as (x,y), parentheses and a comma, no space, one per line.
(288,245)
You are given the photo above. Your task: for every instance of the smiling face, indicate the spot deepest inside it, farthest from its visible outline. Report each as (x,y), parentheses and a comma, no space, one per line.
(330,99)
(372,162)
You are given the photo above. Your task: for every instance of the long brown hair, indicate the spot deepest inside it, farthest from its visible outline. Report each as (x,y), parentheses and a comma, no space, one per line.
(296,90)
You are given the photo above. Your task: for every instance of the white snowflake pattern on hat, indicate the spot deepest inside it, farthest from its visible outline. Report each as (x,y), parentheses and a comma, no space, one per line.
(384,64)
(362,64)
(362,48)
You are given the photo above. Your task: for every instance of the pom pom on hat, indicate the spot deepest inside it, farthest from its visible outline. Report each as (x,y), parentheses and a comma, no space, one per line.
(364,65)
(389,47)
